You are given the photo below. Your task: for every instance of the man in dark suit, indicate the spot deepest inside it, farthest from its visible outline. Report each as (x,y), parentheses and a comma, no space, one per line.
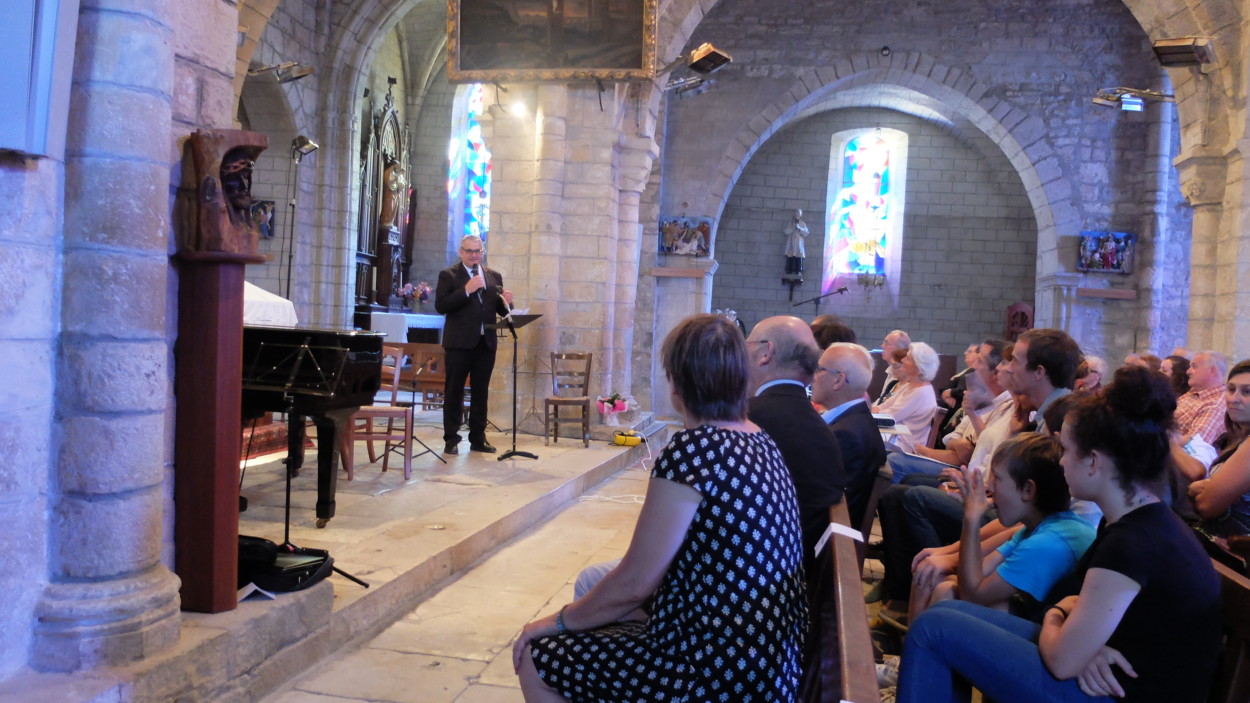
(841,381)
(782,354)
(470,296)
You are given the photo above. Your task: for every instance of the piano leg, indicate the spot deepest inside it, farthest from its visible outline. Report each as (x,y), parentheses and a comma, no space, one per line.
(330,426)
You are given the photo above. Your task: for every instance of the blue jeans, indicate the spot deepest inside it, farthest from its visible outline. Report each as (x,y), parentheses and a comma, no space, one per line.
(904,465)
(955,645)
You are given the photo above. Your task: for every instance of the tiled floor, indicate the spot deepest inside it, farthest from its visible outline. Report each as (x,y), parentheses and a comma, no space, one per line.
(456,646)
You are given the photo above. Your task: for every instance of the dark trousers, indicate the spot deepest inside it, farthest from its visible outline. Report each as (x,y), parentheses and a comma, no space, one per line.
(476,365)
(916,515)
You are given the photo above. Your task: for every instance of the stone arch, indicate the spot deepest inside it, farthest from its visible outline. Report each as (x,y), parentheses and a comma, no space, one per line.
(1021,138)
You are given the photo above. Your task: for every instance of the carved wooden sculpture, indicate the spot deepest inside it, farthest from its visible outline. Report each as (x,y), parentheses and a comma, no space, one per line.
(218,191)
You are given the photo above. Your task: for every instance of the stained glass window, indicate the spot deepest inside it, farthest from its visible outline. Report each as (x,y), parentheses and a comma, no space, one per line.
(468,175)
(864,215)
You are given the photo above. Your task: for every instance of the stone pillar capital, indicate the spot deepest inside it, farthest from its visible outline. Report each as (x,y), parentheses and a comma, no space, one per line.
(1202,177)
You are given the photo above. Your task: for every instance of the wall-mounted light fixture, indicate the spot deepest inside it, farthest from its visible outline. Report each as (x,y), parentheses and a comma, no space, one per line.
(703,59)
(1184,51)
(285,72)
(1130,99)
(302,146)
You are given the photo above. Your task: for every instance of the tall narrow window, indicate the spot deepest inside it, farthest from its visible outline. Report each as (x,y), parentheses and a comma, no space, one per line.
(864,208)
(468,175)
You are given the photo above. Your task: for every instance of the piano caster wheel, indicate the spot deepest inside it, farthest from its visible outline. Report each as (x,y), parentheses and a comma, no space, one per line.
(321,522)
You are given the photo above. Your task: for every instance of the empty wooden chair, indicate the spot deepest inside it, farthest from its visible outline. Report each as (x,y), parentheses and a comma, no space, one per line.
(396,433)
(570,388)
(425,374)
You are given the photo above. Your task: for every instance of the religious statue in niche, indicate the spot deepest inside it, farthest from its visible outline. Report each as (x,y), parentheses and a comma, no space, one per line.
(687,236)
(216,206)
(795,233)
(1106,252)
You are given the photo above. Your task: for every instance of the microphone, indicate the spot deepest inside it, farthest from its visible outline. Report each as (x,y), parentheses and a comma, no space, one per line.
(473,272)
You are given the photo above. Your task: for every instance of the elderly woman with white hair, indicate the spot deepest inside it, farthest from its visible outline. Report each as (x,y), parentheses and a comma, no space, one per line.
(913,402)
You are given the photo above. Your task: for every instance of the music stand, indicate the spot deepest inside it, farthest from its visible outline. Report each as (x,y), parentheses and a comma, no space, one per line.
(510,323)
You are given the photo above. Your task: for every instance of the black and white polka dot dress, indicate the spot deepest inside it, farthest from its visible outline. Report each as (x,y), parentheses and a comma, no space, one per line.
(730,616)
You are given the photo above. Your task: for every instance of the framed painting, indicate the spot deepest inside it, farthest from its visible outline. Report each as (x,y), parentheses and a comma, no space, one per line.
(519,41)
(262,217)
(1106,252)
(687,236)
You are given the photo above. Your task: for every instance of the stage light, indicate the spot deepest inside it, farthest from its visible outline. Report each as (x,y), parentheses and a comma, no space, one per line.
(1184,51)
(704,59)
(285,72)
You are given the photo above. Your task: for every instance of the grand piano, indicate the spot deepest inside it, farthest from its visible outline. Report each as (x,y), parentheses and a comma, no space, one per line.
(325,375)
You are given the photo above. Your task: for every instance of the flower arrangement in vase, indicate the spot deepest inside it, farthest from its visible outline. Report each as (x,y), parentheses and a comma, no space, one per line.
(610,406)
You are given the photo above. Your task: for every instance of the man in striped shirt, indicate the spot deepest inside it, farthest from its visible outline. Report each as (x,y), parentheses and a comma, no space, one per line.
(1201,410)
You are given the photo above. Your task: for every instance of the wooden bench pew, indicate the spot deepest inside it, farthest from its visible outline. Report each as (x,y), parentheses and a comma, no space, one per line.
(1232,681)
(839,662)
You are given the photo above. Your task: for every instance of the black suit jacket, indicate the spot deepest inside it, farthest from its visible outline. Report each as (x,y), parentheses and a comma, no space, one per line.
(811,453)
(863,453)
(465,316)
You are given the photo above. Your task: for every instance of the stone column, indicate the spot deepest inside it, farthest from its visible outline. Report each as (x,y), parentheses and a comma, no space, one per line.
(1203,178)
(684,291)
(110,599)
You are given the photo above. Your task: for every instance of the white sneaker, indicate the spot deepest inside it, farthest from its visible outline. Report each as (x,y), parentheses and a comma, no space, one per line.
(887,671)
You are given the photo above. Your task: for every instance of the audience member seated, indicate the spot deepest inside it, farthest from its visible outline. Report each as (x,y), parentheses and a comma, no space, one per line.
(1089,374)
(893,342)
(1176,368)
(1145,625)
(1222,500)
(842,378)
(1201,410)
(830,329)
(1043,367)
(988,405)
(728,617)
(1039,370)
(781,358)
(1028,488)
(953,397)
(913,402)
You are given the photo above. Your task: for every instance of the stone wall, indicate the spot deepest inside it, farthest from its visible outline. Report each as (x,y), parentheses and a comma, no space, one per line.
(30,301)
(968,243)
(1022,76)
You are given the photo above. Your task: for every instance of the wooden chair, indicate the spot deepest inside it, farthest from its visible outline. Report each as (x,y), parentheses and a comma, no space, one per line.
(1232,679)
(879,484)
(570,388)
(1019,319)
(425,374)
(935,440)
(396,434)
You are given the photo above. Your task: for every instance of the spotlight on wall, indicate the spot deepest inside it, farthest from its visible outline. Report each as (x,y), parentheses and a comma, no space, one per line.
(302,146)
(1130,99)
(703,59)
(285,72)
(1184,51)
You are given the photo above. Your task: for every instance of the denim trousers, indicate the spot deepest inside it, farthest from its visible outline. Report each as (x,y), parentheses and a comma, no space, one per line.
(956,645)
(916,515)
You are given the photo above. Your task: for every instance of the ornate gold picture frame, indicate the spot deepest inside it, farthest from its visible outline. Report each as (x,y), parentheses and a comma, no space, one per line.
(518,41)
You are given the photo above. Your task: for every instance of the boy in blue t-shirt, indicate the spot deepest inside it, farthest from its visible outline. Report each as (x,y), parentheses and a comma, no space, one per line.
(1028,488)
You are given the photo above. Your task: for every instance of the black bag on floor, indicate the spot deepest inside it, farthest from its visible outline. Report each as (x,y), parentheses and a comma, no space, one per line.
(280,568)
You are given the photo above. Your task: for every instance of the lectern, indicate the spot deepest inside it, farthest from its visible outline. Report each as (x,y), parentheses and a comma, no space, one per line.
(512,323)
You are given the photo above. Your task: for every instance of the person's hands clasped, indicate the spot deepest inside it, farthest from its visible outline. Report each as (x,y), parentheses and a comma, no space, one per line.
(541,627)
(1098,677)
(932,570)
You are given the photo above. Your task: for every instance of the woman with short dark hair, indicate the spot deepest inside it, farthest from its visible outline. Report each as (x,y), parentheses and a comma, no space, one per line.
(716,556)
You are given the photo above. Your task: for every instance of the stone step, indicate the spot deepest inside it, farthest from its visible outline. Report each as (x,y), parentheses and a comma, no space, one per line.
(404,538)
